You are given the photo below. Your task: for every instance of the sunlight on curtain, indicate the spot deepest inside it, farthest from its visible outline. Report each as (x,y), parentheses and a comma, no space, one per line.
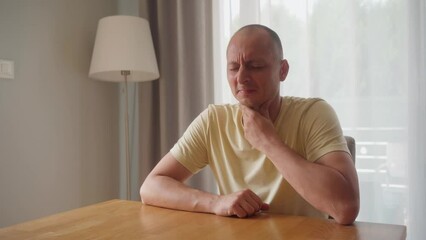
(355,55)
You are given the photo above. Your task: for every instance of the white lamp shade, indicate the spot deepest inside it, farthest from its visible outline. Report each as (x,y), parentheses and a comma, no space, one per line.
(123,43)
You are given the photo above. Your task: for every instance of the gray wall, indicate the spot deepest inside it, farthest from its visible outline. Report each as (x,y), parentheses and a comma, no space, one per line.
(58,128)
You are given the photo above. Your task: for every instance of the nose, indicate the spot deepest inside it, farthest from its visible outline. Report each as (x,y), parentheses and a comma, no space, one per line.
(243,75)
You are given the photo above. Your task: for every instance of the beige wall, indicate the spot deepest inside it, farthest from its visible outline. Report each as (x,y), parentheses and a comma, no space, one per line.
(58,128)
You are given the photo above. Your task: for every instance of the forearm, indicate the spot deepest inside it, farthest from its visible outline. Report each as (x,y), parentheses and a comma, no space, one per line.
(322,186)
(163,191)
(330,184)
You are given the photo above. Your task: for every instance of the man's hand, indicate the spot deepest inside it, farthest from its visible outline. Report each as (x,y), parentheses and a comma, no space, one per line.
(242,204)
(258,126)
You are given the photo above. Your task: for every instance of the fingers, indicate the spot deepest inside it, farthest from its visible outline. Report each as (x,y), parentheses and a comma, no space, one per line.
(249,113)
(242,210)
(245,204)
(245,110)
(264,207)
(262,109)
(254,200)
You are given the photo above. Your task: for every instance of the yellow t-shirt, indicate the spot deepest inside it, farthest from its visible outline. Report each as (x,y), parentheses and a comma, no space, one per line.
(216,138)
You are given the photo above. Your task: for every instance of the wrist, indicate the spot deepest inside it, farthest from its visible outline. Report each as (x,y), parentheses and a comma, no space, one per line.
(271,144)
(212,204)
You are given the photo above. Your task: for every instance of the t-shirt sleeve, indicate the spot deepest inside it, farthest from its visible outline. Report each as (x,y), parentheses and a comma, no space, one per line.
(190,150)
(323,131)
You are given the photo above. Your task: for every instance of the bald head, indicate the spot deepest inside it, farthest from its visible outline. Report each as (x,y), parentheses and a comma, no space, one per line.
(251,29)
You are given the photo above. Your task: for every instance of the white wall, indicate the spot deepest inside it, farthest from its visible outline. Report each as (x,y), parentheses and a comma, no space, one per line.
(58,128)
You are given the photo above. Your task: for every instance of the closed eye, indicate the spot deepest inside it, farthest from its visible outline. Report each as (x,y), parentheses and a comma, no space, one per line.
(255,64)
(256,67)
(233,68)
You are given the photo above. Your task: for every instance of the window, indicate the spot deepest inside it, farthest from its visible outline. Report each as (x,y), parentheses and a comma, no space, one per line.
(352,54)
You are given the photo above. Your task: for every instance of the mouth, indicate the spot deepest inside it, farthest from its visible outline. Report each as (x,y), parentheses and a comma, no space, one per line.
(245,91)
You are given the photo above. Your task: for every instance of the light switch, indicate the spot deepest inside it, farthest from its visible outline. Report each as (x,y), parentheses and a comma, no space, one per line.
(7,69)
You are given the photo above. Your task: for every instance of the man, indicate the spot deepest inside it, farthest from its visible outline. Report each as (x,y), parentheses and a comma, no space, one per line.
(268,153)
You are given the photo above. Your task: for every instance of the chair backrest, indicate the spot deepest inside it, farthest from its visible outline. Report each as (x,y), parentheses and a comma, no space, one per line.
(351,145)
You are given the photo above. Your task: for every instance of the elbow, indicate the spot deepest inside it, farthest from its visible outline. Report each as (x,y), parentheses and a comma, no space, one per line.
(144,193)
(347,214)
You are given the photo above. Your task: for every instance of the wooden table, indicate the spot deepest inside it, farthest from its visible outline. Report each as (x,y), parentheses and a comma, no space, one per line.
(119,219)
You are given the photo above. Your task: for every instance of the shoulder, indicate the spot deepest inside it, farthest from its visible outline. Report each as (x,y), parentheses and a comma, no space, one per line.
(222,111)
(310,111)
(213,115)
(222,107)
(304,105)
(299,102)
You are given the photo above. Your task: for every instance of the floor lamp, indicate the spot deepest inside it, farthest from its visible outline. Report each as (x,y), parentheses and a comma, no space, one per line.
(124,52)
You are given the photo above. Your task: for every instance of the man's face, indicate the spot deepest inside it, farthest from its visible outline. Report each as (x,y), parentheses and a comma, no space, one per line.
(253,68)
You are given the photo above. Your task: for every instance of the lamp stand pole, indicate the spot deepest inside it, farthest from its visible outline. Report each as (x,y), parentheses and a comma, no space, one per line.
(126,126)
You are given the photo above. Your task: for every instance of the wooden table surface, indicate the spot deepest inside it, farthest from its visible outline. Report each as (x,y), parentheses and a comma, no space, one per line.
(120,219)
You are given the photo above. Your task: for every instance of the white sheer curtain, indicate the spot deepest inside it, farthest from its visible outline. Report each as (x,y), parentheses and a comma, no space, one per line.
(366,58)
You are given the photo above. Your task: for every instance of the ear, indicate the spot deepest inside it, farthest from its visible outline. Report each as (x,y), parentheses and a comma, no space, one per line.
(284,70)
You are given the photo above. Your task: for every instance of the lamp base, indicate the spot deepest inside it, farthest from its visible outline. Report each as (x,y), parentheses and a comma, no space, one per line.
(125,73)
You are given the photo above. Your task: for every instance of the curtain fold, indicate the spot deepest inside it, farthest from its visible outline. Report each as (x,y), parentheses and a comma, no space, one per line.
(182,34)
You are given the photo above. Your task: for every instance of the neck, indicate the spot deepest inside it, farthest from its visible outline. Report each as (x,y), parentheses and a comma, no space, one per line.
(274,108)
